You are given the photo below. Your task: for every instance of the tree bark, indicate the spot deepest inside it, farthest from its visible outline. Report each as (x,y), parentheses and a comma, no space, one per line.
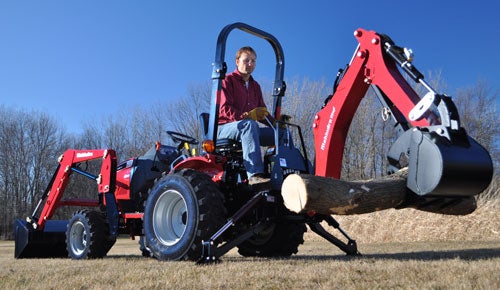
(310,193)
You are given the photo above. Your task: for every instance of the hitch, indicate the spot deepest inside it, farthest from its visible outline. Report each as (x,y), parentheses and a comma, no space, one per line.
(211,254)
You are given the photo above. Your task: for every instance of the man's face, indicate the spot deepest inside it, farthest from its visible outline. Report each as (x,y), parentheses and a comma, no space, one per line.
(246,63)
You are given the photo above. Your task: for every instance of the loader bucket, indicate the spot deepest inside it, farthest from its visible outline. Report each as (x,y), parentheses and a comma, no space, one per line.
(47,243)
(438,167)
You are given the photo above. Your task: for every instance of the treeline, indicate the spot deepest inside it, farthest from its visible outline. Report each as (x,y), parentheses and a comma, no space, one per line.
(31,141)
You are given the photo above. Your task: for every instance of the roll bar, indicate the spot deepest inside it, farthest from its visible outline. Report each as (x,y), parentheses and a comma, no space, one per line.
(220,69)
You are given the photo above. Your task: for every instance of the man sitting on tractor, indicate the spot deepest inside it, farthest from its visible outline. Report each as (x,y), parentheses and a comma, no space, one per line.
(241,107)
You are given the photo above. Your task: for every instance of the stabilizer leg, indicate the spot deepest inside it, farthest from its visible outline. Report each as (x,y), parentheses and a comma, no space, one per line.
(350,248)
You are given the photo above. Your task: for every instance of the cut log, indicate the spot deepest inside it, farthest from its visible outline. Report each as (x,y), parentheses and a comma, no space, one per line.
(304,193)
(310,193)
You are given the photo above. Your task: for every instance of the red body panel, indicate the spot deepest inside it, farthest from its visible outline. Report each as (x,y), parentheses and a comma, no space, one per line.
(123,177)
(209,164)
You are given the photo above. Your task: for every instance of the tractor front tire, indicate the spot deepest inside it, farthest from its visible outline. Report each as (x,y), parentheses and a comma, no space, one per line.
(182,210)
(87,235)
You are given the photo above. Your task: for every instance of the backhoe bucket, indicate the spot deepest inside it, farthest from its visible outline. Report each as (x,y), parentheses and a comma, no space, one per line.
(47,243)
(442,168)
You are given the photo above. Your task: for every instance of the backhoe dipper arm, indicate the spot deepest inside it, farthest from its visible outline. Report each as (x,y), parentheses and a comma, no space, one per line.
(106,180)
(370,65)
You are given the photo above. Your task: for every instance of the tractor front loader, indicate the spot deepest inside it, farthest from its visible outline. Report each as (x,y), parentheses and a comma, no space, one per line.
(117,207)
(188,206)
(40,235)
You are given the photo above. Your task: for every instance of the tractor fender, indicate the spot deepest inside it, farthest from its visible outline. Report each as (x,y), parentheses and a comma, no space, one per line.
(206,164)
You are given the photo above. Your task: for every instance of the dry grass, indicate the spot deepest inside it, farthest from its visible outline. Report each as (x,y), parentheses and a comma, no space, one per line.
(401,249)
(409,225)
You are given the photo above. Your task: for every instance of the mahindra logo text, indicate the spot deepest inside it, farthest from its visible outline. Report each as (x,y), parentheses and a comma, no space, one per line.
(328,128)
(84,154)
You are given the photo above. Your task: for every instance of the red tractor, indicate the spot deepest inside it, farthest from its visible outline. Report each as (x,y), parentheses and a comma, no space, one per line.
(199,206)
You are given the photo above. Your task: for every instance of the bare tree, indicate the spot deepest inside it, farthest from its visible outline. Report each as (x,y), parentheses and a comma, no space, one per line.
(479,116)
(29,145)
(304,98)
(183,115)
(148,125)
(365,149)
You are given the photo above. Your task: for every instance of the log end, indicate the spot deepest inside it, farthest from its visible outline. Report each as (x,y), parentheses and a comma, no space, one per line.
(294,193)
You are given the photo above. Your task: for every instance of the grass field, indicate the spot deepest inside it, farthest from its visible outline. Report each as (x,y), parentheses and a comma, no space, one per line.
(401,249)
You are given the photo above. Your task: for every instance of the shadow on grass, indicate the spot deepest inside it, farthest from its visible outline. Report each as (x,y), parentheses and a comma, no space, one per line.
(424,255)
(466,254)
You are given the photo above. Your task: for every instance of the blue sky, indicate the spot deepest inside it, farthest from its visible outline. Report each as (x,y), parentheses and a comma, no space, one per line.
(82,60)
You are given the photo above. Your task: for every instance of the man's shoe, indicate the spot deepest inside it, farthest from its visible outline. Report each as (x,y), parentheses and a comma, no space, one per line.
(259,182)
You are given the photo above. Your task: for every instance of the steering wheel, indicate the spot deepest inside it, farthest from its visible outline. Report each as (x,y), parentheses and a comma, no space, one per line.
(179,137)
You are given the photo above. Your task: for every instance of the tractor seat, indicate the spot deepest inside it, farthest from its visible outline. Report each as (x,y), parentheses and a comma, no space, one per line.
(222,145)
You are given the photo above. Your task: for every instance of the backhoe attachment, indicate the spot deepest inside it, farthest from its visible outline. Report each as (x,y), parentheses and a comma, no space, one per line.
(442,159)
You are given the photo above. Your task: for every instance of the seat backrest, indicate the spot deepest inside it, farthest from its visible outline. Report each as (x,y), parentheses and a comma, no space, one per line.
(223,144)
(204,119)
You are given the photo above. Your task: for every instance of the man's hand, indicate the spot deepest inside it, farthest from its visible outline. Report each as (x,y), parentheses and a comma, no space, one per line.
(257,114)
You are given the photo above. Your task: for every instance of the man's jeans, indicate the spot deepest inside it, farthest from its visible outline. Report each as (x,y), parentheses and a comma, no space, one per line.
(251,137)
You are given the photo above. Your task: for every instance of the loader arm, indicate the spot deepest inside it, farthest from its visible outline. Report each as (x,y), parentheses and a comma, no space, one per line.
(52,197)
(443,159)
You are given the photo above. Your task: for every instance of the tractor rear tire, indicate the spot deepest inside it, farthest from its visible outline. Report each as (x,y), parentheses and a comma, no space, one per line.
(182,210)
(280,239)
(87,235)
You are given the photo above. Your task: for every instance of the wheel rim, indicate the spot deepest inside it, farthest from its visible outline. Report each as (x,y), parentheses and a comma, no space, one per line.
(78,238)
(170,217)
